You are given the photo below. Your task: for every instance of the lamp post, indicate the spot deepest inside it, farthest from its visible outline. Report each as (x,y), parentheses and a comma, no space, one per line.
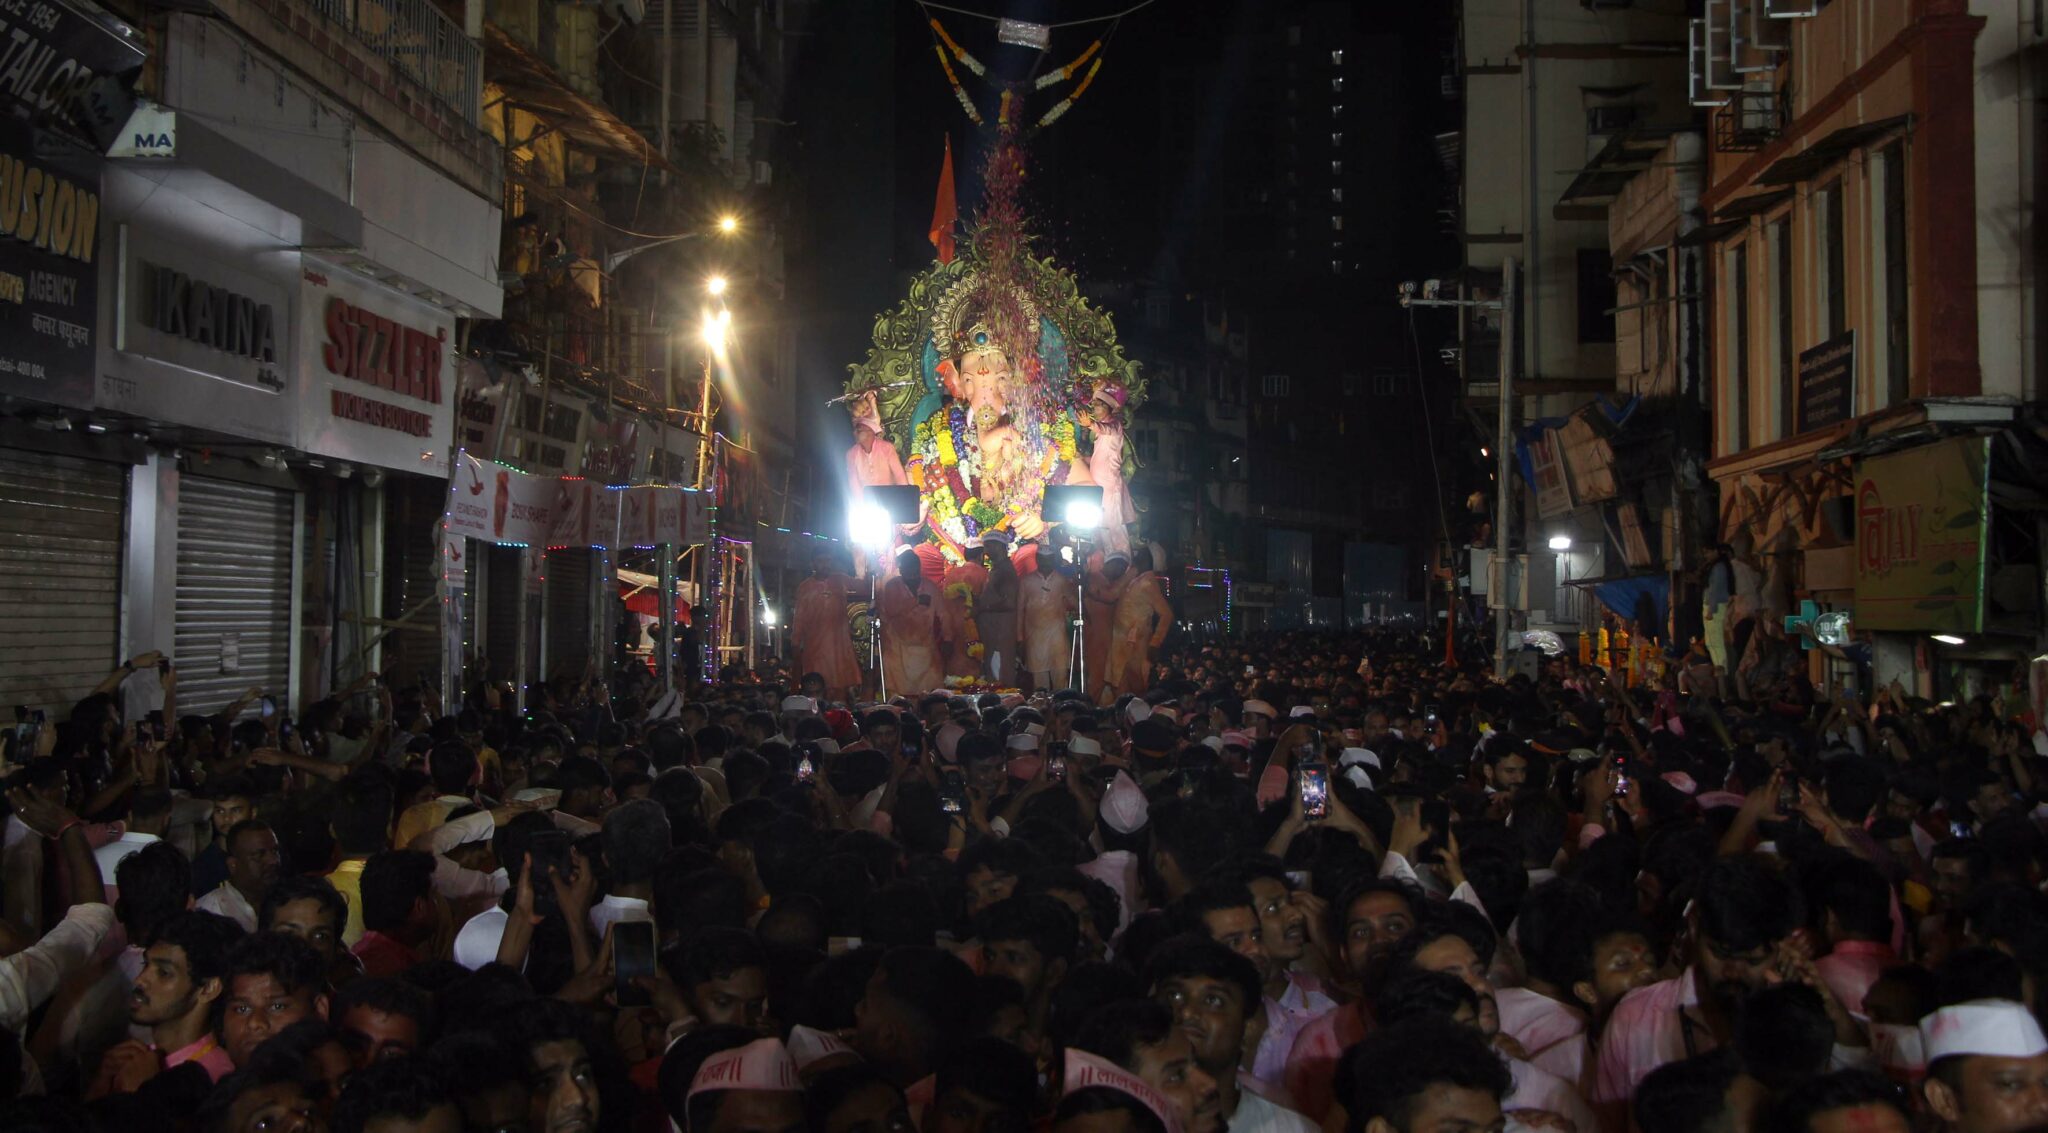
(728,225)
(716,333)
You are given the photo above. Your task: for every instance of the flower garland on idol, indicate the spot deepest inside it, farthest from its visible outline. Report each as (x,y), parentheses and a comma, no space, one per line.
(946,466)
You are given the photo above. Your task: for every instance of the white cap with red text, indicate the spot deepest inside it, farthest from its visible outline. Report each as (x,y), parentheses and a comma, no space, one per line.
(1997,1028)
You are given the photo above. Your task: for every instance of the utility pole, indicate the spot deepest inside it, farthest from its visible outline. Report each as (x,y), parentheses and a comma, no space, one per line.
(1503,489)
(1503,465)
(668,68)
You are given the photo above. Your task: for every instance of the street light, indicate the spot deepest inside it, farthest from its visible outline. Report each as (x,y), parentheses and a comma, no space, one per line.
(1560,542)
(727,225)
(716,329)
(715,285)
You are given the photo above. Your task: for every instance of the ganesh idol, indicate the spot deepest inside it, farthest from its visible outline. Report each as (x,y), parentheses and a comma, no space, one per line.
(989,442)
(990,379)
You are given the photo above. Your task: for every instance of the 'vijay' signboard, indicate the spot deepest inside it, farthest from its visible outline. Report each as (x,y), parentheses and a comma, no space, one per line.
(1921,520)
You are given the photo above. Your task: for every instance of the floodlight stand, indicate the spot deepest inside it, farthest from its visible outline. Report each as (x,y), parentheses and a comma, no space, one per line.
(875,637)
(1077,653)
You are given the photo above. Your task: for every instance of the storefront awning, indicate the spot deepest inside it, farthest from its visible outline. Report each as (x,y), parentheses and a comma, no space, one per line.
(1625,155)
(1742,208)
(1709,233)
(1802,166)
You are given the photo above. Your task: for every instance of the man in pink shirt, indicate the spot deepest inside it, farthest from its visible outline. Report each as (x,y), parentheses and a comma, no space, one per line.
(1743,912)
(1371,918)
(1581,960)
(1855,905)
(183,974)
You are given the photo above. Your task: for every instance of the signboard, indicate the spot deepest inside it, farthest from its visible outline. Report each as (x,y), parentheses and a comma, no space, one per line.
(185,309)
(478,401)
(547,439)
(61,66)
(739,491)
(1588,457)
(651,515)
(673,456)
(454,555)
(496,504)
(570,524)
(376,380)
(615,447)
(1921,519)
(1553,491)
(604,515)
(696,517)
(1827,379)
(49,273)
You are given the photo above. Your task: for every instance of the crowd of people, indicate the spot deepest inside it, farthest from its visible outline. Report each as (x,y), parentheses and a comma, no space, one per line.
(1296,882)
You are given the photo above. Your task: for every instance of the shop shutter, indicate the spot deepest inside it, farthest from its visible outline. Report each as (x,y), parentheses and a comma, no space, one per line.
(61,522)
(234,592)
(503,584)
(412,577)
(568,597)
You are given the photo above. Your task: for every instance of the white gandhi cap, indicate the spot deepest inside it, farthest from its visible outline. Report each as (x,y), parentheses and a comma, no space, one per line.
(1998,1028)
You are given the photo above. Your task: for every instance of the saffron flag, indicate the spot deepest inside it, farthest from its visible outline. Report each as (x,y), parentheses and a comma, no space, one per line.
(946,210)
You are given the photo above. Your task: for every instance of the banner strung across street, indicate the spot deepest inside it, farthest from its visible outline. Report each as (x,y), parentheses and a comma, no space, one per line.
(499,504)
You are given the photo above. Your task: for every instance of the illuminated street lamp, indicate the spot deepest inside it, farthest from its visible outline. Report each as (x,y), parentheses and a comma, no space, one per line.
(716,330)
(727,225)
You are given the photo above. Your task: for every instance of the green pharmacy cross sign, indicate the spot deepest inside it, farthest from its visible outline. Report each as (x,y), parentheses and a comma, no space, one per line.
(1814,627)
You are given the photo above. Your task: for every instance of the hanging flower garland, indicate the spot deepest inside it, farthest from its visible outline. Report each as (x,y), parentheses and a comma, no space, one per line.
(959,91)
(1011,109)
(960,53)
(1060,75)
(1060,108)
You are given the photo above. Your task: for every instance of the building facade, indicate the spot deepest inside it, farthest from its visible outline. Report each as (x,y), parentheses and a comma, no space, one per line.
(298,260)
(1875,326)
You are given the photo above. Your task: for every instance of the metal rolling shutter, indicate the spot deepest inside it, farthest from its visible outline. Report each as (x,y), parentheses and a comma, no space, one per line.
(568,596)
(61,523)
(503,584)
(234,582)
(411,577)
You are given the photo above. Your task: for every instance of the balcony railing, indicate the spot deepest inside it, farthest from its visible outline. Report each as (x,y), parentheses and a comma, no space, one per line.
(421,43)
(1751,120)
